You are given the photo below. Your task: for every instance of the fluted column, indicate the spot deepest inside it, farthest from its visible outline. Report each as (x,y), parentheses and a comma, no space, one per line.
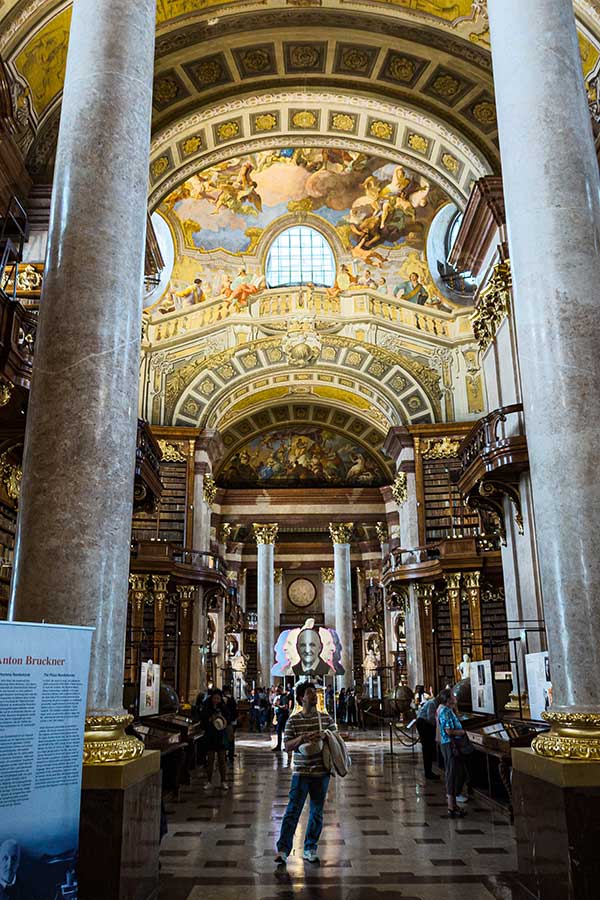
(265,536)
(473,592)
(552,197)
(341,534)
(72,554)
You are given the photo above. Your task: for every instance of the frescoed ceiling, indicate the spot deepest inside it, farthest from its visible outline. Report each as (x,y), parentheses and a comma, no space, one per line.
(428,60)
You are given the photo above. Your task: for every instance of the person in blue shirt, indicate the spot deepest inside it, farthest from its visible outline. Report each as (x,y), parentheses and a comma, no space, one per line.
(450,732)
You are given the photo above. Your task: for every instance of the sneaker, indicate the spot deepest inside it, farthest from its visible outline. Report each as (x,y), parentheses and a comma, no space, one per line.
(281,858)
(311,856)
(462,798)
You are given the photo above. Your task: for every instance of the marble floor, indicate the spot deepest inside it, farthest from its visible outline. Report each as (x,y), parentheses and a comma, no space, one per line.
(386,836)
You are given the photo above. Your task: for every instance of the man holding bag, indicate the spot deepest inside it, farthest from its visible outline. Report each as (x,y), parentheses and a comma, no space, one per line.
(304,736)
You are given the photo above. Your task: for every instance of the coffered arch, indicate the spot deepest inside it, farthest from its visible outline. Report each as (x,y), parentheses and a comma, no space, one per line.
(386,388)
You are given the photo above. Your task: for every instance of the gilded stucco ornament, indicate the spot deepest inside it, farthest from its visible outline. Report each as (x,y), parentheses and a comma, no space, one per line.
(444,449)
(171,452)
(327,575)
(11,476)
(302,344)
(400,488)
(573,735)
(381,530)
(493,305)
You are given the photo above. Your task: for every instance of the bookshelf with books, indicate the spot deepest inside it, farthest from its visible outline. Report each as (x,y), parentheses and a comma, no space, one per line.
(8,527)
(167,521)
(446,516)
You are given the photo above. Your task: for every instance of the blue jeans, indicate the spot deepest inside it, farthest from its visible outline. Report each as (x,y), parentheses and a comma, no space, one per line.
(303,786)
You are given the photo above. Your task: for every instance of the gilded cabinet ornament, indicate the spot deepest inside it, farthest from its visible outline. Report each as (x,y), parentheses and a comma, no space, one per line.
(171,452)
(209,489)
(400,488)
(493,305)
(453,589)
(341,532)
(381,530)
(327,575)
(444,449)
(265,534)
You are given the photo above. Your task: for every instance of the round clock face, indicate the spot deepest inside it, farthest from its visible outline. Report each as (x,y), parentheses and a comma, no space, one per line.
(302,592)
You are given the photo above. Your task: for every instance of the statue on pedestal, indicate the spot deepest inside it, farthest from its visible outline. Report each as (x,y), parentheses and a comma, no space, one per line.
(464,667)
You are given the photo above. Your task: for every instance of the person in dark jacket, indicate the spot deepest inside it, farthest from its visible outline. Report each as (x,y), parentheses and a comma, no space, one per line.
(282,712)
(214,718)
(232,714)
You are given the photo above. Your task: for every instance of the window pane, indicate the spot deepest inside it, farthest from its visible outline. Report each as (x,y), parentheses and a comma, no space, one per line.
(300,255)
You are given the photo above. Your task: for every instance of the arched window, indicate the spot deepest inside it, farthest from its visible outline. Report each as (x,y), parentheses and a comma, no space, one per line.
(300,255)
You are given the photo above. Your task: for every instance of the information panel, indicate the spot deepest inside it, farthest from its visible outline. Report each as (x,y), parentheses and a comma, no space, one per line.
(149,689)
(43,687)
(482,687)
(539,684)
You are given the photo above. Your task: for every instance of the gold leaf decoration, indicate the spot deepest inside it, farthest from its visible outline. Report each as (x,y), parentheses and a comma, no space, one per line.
(418,142)
(191,145)
(265,122)
(159,166)
(383,130)
(450,163)
(227,130)
(343,122)
(304,119)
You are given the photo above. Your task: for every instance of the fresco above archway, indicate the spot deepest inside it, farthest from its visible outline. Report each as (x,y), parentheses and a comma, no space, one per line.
(378,211)
(297,455)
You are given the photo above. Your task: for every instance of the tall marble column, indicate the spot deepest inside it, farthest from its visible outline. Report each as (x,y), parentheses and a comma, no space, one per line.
(265,536)
(552,198)
(341,534)
(72,552)
(198,652)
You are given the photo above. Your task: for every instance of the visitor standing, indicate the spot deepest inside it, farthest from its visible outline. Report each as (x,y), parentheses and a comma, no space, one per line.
(304,735)
(282,712)
(426,727)
(214,718)
(450,729)
(341,706)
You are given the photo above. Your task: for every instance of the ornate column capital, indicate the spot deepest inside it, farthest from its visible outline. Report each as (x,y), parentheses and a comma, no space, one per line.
(265,534)
(278,576)
(341,532)
(226,529)
(424,592)
(471,586)
(327,575)
(453,588)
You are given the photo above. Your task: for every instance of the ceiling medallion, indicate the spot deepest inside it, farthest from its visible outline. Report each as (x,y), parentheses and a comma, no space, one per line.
(159,166)
(304,119)
(446,85)
(343,122)
(418,142)
(381,129)
(191,145)
(228,130)
(401,68)
(304,56)
(485,112)
(209,72)
(450,163)
(265,122)
(257,60)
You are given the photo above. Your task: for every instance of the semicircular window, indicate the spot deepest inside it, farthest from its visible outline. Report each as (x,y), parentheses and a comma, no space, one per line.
(300,255)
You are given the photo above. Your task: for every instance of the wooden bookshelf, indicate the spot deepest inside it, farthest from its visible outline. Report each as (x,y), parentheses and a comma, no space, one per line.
(167,522)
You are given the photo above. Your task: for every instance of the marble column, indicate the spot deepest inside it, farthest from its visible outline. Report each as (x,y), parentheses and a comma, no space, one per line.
(72,551)
(265,536)
(198,680)
(552,197)
(327,583)
(341,534)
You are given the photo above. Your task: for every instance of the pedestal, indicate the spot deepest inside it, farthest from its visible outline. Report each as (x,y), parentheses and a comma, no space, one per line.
(119,834)
(557,818)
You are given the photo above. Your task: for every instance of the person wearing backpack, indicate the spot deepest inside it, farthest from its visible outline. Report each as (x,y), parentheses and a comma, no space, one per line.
(304,736)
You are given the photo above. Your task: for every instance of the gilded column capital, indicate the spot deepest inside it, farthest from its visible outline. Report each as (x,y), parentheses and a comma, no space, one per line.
(424,593)
(471,586)
(265,534)
(341,532)
(453,588)
(278,573)
(226,529)
(138,590)
(327,575)
(185,591)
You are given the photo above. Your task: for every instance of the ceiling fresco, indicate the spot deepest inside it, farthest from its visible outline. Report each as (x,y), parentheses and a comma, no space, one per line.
(375,213)
(302,455)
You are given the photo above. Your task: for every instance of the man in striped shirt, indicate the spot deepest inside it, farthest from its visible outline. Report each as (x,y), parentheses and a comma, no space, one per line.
(304,736)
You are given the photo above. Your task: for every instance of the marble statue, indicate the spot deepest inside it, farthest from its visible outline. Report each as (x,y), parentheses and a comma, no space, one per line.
(464,667)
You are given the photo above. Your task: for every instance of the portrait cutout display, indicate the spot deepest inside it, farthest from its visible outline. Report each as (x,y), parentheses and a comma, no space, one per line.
(309,651)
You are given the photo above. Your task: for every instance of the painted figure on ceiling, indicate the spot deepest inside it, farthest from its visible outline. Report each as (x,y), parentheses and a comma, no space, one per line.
(412,290)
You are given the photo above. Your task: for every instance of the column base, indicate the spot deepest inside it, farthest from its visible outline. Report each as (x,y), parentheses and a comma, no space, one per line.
(556,805)
(119,834)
